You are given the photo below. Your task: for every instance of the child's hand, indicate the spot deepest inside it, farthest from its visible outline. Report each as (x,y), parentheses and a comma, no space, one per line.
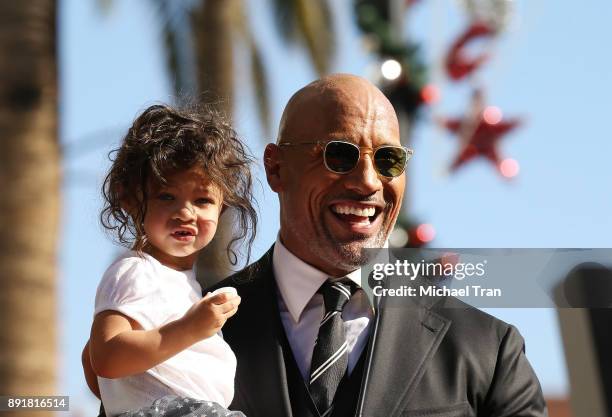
(208,315)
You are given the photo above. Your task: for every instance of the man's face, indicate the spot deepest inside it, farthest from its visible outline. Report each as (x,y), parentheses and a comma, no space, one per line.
(328,218)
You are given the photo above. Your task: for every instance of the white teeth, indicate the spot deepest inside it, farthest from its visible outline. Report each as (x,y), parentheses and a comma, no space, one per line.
(366,212)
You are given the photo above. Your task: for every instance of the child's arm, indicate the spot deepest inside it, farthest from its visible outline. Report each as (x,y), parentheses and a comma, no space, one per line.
(119,347)
(90,375)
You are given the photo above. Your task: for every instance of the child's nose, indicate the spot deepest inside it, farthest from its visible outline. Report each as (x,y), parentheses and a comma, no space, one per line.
(185,213)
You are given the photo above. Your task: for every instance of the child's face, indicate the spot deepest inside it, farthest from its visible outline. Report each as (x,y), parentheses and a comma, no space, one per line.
(182,218)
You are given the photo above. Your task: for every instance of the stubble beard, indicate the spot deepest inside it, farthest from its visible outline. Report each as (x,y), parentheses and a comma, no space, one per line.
(349,255)
(345,255)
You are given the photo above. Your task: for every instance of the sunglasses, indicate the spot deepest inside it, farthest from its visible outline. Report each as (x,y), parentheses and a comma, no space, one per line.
(342,157)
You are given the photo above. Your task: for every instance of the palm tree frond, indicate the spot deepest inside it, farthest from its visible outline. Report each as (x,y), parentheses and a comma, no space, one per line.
(258,74)
(176,34)
(213,32)
(315,23)
(284,17)
(172,61)
(258,69)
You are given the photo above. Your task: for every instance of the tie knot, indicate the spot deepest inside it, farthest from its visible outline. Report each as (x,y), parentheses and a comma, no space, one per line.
(335,295)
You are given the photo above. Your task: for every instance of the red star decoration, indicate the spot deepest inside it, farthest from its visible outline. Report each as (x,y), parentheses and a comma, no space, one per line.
(480,138)
(479,131)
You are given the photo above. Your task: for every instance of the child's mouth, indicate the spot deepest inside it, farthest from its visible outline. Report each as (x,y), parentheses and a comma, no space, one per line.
(183,235)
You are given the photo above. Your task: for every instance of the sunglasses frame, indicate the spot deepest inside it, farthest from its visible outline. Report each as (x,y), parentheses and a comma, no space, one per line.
(324,144)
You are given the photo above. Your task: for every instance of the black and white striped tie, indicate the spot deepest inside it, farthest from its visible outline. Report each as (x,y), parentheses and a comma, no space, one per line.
(330,355)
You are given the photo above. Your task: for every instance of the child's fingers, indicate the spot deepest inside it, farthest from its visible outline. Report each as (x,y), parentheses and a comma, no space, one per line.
(228,306)
(222,298)
(231,312)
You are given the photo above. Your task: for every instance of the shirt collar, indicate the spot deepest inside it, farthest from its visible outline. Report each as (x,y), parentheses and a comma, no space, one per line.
(298,281)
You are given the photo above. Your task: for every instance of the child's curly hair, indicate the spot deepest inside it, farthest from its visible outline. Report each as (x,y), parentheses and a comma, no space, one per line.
(165,140)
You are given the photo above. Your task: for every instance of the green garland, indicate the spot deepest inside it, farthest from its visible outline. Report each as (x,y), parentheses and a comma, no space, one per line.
(405,92)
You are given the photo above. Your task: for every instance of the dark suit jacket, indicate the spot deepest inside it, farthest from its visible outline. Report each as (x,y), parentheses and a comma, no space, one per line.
(438,358)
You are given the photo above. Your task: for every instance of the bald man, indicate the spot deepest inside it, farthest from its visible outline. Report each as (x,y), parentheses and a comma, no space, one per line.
(337,168)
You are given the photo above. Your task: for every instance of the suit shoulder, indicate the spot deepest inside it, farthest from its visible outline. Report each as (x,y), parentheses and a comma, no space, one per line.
(466,318)
(478,340)
(479,335)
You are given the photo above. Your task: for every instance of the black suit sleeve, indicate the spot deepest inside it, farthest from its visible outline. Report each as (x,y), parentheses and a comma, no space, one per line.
(515,390)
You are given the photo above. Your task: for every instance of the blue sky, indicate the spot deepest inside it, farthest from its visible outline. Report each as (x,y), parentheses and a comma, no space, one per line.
(550,68)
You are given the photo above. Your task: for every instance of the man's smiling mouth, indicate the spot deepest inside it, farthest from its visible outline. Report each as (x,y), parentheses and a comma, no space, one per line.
(360,215)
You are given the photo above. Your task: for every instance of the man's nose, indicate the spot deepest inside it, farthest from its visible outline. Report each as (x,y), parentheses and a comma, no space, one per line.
(185,212)
(363,178)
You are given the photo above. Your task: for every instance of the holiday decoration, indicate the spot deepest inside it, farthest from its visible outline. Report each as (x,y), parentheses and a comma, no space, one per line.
(483,127)
(458,64)
(408,234)
(495,13)
(402,68)
(405,96)
(479,133)
(509,168)
(430,94)
(402,77)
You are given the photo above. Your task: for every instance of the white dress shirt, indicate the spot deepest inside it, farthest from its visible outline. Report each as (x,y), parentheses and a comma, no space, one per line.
(301,308)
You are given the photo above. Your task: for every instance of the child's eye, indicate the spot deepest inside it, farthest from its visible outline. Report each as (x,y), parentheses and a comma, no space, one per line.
(204,201)
(165,197)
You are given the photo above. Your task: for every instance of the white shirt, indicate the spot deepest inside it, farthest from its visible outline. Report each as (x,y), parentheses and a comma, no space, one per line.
(301,308)
(153,295)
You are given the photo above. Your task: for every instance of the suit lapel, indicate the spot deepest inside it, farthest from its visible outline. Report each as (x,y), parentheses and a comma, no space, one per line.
(404,338)
(261,376)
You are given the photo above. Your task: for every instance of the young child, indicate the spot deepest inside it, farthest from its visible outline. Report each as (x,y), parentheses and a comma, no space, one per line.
(153,334)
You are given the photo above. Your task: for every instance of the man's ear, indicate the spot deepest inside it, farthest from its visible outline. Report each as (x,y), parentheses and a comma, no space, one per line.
(272,166)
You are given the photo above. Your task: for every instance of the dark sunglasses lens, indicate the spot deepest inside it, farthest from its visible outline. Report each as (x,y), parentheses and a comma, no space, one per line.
(390,161)
(341,157)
